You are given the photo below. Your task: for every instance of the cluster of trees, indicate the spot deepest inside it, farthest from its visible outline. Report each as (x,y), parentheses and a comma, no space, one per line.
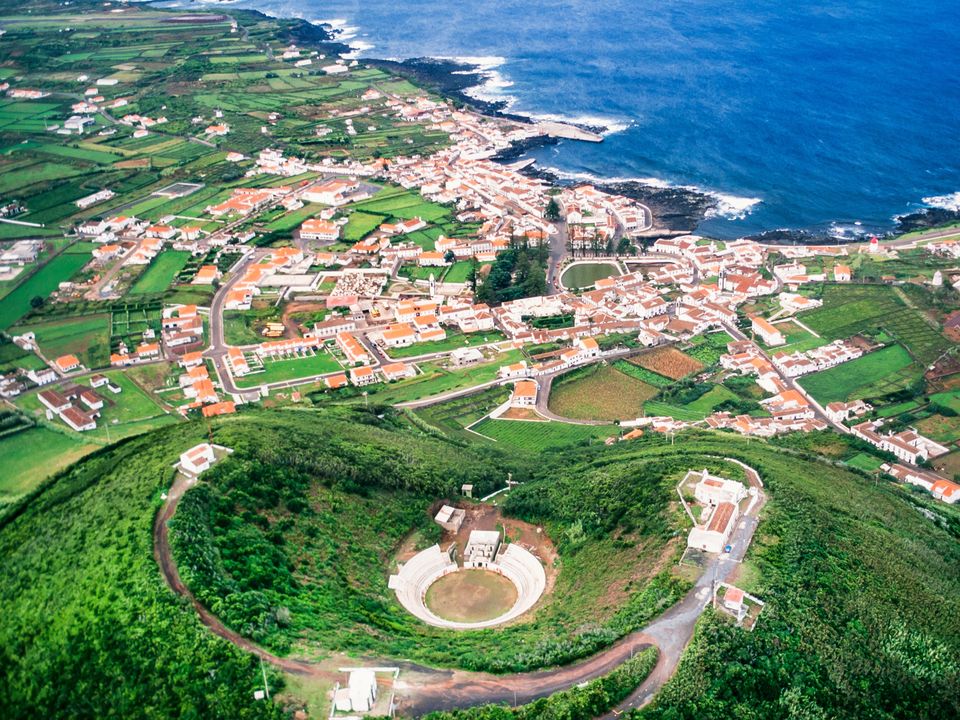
(519,271)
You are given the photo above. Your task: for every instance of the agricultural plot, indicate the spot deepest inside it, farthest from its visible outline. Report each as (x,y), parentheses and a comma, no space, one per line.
(129,320)
(668,362)
(875,374)
(641,373)
(275,371)
(695,410)
(708,348)
(455,415)
(865,462)
(44,281)
(31,456)
(435,379)
(851,309)
(86,336)
(451,342)
(459,272)
(539,436)
(600,392)
(161,273)
(361,224)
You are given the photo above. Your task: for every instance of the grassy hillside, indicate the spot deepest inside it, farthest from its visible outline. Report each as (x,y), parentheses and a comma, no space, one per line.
(296,556)
(862,592)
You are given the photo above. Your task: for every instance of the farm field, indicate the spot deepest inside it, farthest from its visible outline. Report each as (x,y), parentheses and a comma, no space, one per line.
(876,373)
(585,275)
(451,342)
(161,273)
(950,399)
(862,461)
(849,309)
(130,412)
(708,348)
(454,415)
(86,336)
(30,456)
(458,272)
(435,380)
(696,410)
(539,436)
(293,369)
(599,392)
(360,224)
(667,361)
(44,281)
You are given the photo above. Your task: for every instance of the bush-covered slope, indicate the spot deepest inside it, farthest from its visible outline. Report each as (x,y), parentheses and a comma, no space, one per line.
(862,593)
(295,554)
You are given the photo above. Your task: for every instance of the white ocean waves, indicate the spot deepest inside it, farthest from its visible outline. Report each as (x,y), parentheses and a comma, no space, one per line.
(944,202)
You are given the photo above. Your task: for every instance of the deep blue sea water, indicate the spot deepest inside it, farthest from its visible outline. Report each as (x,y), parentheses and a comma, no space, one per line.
(800,114)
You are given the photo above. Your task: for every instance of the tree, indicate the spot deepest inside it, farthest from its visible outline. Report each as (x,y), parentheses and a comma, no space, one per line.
(449,257)
(36,302)
(552,212)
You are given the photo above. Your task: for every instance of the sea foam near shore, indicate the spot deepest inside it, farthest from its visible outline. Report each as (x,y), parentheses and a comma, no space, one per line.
(944,202)
(723,205)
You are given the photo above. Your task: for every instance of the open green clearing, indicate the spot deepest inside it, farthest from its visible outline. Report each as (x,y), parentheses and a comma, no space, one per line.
(86,336)
(451,342)
(599,392)
(30,456)
(875,373)
(584,275)
(319,363)
(161,272)
(537,436)
(851,309)
(44,281)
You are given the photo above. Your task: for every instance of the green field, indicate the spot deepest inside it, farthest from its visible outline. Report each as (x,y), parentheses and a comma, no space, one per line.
(44,281)
(30,456)
(851,309)
(538,436)
(599,392)
(458,272)
(86,336)
(586,274)
(294,369)
(359,225)
(873,374)
(450,342)
(161,272)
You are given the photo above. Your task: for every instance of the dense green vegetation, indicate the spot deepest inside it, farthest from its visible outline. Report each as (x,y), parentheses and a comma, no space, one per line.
(292,545)
(519,271)
(860,589)
(88,627)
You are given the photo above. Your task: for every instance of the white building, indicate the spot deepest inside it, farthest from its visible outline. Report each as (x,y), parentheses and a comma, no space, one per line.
(197,459)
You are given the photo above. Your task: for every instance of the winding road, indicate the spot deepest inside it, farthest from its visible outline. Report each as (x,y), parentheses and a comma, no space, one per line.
(423,689)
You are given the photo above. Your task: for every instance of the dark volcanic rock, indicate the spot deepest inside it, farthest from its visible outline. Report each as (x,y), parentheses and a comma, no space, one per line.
(928,218)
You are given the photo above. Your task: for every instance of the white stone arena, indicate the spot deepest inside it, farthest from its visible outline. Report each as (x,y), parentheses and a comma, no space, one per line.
(426,567)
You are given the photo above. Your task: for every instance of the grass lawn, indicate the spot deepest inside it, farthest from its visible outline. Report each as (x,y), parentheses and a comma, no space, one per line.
(359,225)
(798,339)
(586,274)
(600,392)
(434,379)
(43,282)
(458,272)
(161,272)
(130,412)
(236,329)
(280,370)
(537,436)
(865,462)
(451,342)
(30,456)
(86,336)
(872,374)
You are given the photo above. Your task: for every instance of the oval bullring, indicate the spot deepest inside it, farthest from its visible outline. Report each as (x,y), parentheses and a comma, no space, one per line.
(418,575)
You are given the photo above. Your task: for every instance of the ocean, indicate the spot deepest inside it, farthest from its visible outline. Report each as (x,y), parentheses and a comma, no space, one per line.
(829,116)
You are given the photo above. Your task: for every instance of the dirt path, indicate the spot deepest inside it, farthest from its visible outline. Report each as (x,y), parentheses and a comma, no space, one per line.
(421,689)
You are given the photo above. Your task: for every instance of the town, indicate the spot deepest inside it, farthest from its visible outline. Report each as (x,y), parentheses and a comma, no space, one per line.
(393,357)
